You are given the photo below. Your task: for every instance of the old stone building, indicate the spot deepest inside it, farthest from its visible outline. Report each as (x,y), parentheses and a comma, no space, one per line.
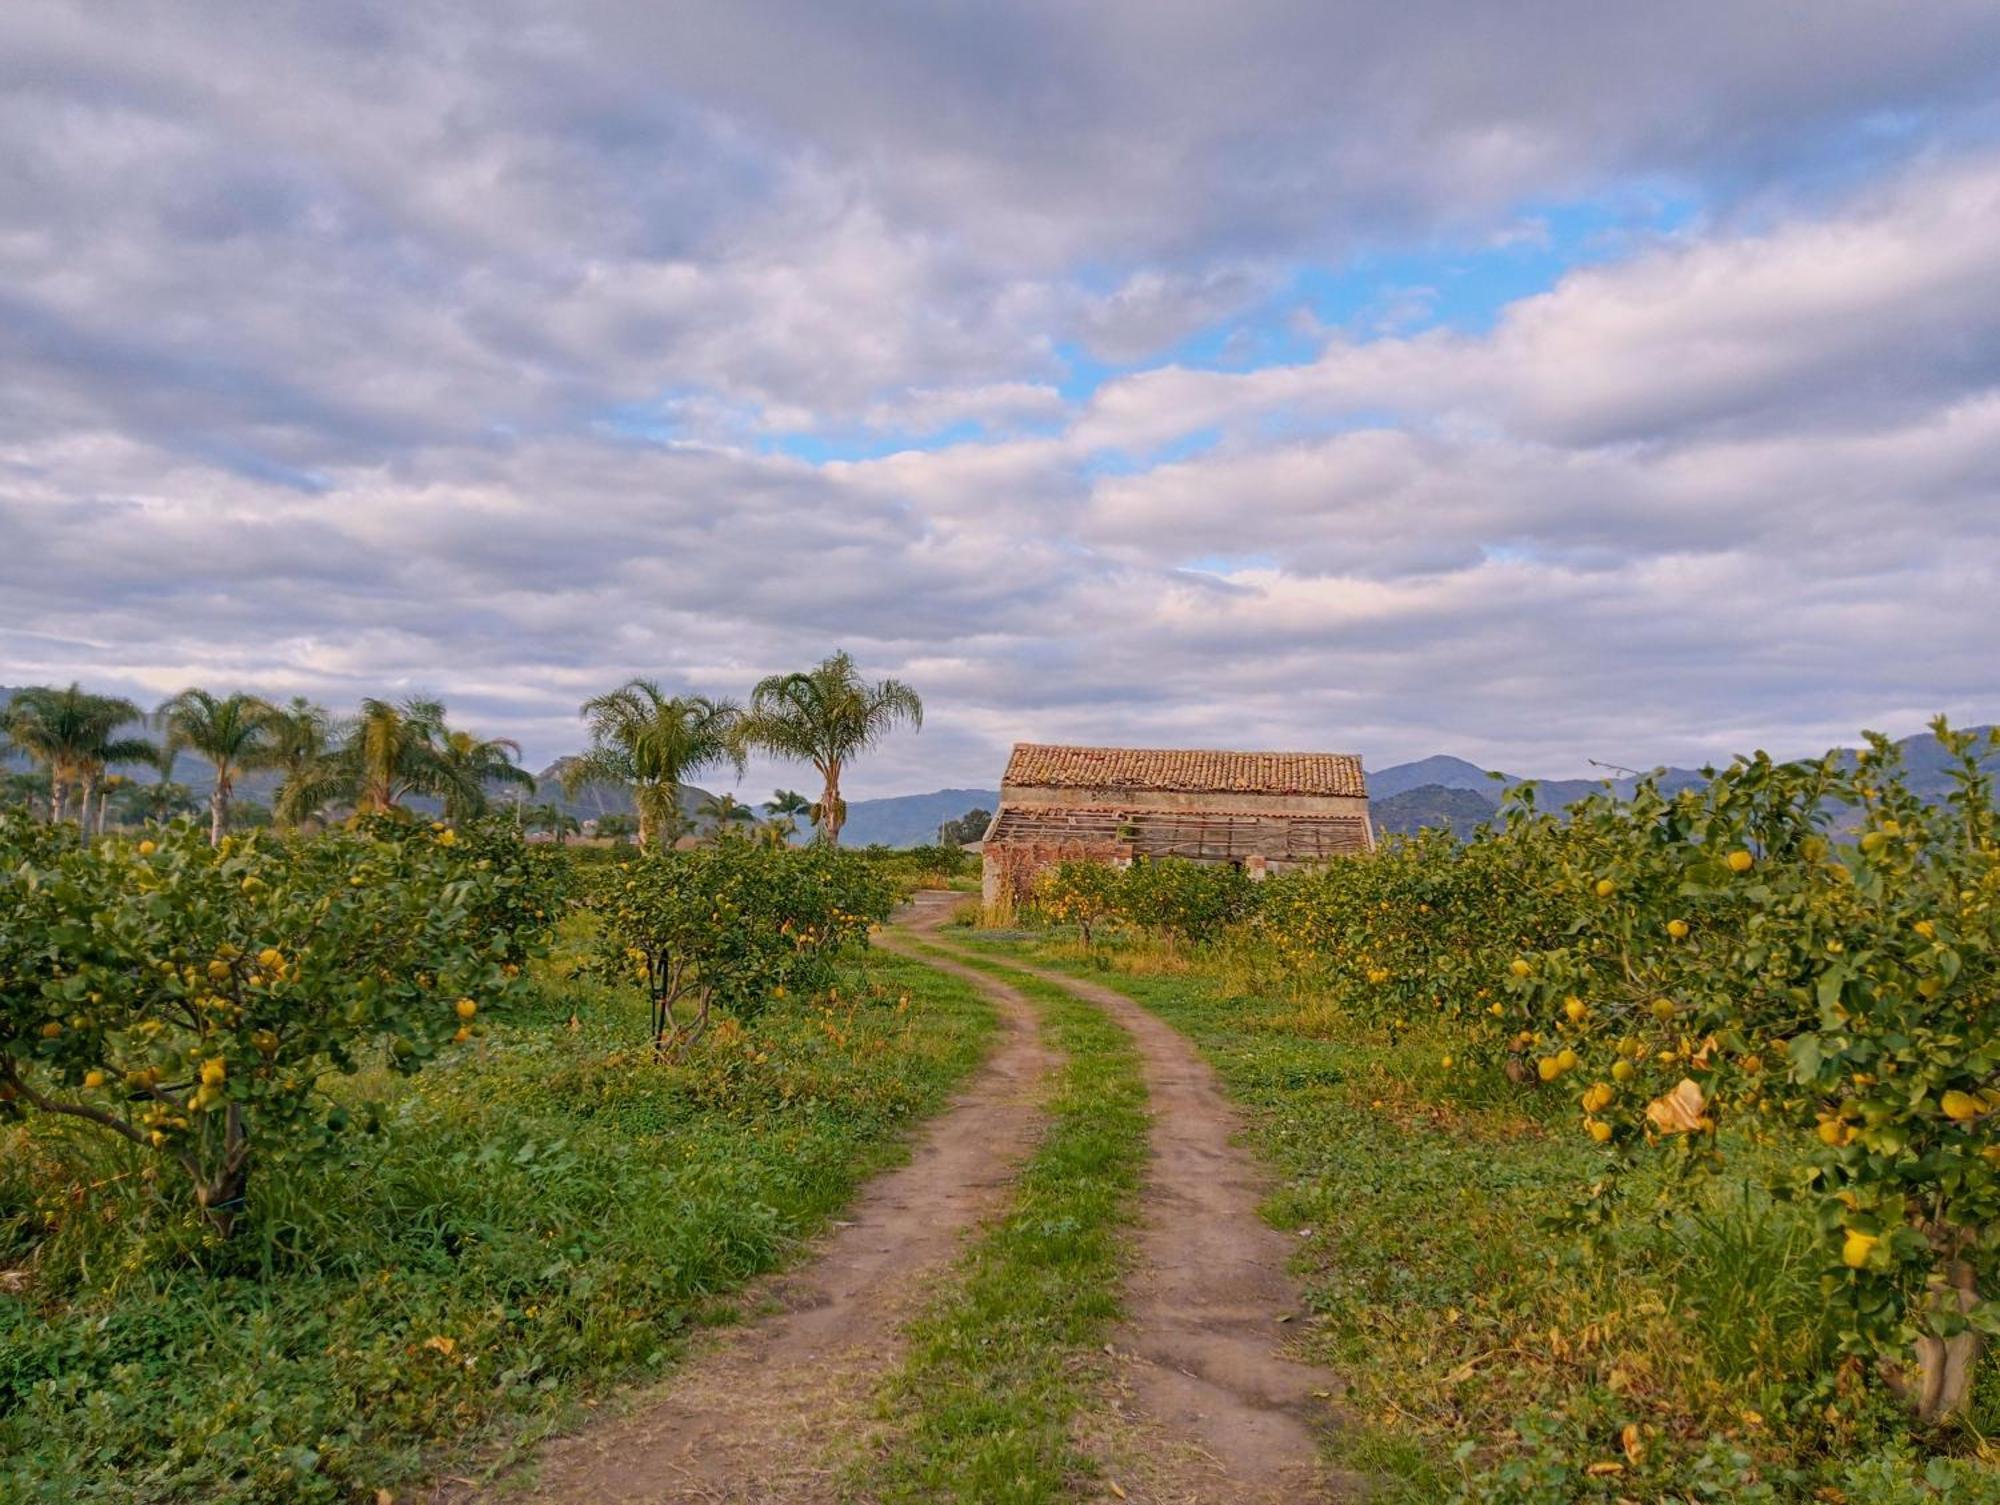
(1259,811)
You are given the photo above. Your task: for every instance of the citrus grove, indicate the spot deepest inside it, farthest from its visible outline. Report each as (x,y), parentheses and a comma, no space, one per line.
(1792,965)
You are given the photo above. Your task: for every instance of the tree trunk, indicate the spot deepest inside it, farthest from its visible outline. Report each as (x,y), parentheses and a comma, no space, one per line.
(58,795)
(218,813)
(103,810)
(1938,1385)
(221,1197)
(833,810)
(86,793)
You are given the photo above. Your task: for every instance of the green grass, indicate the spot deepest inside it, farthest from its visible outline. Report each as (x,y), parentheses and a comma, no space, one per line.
(986,1402)
(541,1216)
(1489,1358)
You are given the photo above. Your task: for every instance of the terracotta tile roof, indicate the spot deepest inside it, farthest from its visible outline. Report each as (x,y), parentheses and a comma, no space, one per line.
(1185,770)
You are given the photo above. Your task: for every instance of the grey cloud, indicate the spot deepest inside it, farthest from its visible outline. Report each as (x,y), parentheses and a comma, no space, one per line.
(375,347)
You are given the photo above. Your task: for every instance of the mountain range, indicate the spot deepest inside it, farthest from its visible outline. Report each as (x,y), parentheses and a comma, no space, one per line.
(1434,791)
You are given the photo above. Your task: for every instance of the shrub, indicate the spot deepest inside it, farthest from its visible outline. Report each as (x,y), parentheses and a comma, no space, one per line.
(189,998)
(1734,964)
(1189,901)
(732,924)
(1083,894)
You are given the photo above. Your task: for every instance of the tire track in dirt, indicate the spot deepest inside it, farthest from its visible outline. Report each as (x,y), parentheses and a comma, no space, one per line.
(773,1409)
(1223,1415)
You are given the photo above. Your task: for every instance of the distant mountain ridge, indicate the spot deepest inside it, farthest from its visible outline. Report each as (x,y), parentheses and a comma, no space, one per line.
(1450,792)
(1441,791)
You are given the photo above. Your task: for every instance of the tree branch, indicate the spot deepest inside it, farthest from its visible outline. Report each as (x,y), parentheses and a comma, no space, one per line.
(10,1073)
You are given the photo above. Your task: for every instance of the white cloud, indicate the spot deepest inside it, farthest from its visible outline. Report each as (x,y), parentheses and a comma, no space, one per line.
(379,348)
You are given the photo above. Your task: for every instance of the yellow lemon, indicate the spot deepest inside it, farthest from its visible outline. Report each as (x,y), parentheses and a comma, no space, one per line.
(1678,929)
(1519,967)
(1599,1130)
(1856,1247)
(147,849)
(1741,861)
(1576,1009)
(1566,1059)
(1961,1106)
(1606,888)
(1596,1096)
(93,1079)
(213,1071)
(466,1008)
(1622,1071)
(51,1030)
(270,958)
(1664,1009)
(1548,1069)
(1832,1132)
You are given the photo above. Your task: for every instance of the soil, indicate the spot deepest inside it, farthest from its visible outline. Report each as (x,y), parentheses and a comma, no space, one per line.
(774,1409)
(1201,1405)
(1214,1410)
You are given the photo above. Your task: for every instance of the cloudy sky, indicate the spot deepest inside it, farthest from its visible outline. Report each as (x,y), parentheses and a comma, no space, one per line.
(1532,382)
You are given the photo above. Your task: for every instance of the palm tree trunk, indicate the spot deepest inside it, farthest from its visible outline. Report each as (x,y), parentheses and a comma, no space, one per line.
(833,813)
(103,810)
(58,795)
(86,794)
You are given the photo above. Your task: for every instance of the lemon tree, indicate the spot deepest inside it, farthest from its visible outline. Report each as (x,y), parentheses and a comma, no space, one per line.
(1412,930)
(191,999)
(1189,901)
(1740,957)
(732,924)
(1084,894)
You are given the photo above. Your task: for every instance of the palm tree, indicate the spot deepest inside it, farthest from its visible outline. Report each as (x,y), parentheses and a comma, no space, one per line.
(232,732)
(466,765)
(113,784)
(650,743)
(787,802)
(614,827)
(21,789)
(827,717)
(725,813)
(784,809)
(392,752)
(73,735)
(555,820)
(301,748)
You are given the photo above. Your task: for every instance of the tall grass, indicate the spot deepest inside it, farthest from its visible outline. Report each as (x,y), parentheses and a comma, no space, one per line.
(543,1215)
(1489,1357)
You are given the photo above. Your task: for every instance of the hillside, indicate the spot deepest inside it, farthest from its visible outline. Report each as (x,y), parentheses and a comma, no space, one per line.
(908,820)
(1459,810)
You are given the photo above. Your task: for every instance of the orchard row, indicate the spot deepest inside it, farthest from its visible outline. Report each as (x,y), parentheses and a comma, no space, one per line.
(196,1000)
(1801,955)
